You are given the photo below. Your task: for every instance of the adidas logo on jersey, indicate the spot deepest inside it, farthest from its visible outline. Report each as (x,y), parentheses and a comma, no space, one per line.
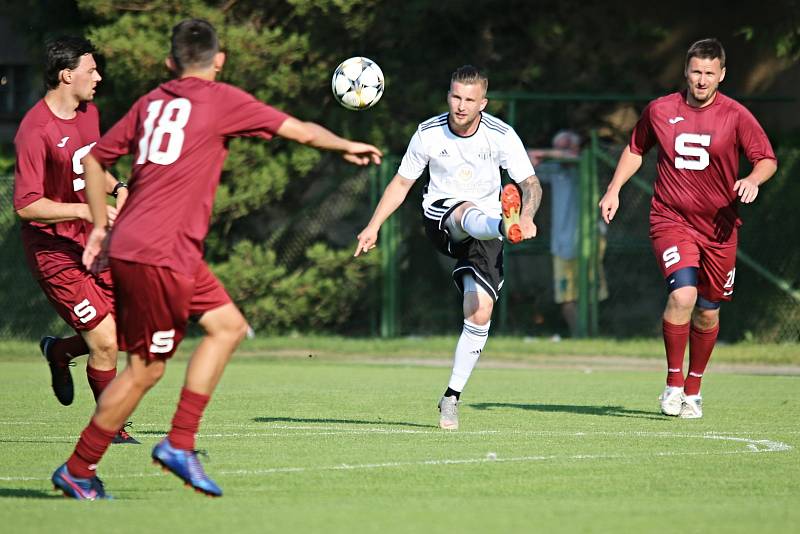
(444,154)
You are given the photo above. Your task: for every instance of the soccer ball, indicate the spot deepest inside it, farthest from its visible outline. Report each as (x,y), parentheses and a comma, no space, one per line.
(357,83)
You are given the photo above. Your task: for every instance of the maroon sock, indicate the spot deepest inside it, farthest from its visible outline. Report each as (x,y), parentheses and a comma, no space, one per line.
(99,380)
(91,447)
(65,349)
(187,419)
(676,336)
(701,343)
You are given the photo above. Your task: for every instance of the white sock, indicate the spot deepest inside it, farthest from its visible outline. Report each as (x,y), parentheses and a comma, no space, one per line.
(479,225)
(468,350)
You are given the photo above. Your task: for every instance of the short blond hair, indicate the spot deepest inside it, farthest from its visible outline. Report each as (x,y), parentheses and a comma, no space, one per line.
(469,75)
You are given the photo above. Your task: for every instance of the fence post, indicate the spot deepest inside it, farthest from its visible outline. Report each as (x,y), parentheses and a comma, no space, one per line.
(584,244)
(594,256)
(502,312)
(389,239)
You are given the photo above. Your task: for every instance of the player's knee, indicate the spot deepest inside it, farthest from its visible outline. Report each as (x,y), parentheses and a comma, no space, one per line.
(234,326)
(150,374)
(458,213)
(705,318)
(241,330)
(684,297)
(104,348)
(483,313)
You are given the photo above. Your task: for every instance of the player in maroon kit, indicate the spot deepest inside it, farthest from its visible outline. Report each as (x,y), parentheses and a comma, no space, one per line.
(49,197)
(693,214)
(178,134)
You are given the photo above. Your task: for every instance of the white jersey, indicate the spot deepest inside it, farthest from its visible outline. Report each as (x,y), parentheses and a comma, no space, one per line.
(465,168)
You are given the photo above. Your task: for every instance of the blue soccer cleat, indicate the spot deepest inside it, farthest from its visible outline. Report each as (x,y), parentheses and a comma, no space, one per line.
(185,465)
(83,489)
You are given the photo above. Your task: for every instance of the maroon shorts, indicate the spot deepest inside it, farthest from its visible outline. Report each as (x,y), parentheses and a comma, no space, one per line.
(81,298)
(678,247)
(154,305)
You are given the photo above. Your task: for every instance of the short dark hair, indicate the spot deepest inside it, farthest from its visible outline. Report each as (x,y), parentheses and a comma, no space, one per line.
(468,75)
(194,44)
(61,53)
(706,49)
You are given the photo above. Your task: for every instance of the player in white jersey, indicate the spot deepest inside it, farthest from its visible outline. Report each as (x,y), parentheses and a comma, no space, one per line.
(466,215)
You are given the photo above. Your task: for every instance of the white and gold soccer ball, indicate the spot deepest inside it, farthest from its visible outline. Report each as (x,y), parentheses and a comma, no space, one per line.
(357,83)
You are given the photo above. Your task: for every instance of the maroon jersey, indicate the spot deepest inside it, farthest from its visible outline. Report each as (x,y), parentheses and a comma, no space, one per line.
(49,152)
(698,161)
(178,134)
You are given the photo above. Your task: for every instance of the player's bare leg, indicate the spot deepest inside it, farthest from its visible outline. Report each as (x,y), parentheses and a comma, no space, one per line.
(680,305)
(102,342)
(477,307)
(225,328)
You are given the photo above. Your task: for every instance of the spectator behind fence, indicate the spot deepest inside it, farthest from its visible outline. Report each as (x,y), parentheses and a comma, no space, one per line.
(562,175)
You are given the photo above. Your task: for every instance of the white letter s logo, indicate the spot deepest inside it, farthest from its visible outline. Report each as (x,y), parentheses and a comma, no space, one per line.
(163,341)
(693,151)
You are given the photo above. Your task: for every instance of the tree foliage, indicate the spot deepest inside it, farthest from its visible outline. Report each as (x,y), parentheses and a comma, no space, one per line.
(284,51)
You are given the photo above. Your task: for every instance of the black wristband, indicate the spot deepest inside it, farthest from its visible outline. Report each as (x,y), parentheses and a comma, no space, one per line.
(115,191)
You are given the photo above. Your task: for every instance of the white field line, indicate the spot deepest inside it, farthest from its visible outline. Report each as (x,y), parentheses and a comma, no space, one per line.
(300,431)
(751,446)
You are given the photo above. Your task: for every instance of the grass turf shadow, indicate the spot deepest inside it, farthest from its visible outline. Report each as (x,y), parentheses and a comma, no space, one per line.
(603,411)
(337,421)
(19,493)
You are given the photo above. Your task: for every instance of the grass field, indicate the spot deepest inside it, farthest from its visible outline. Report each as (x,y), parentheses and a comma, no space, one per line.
(346,441)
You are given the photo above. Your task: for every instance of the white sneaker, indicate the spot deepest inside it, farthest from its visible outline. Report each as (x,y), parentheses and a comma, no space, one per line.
(671,400)
(692,407)
(448,407)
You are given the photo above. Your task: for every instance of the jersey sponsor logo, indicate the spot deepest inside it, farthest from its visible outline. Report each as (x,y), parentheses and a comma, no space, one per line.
(671,257)
(444,154)
(485,154)
(676,120)
(464,173)
(63,142)
(697,158)
(163,341)
(77,166)
(85,311)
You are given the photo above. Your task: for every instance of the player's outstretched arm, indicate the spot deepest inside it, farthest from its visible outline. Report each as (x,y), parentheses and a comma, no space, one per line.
(392,198)
(747,187)
(627,166)
(531,199)
(312,134)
